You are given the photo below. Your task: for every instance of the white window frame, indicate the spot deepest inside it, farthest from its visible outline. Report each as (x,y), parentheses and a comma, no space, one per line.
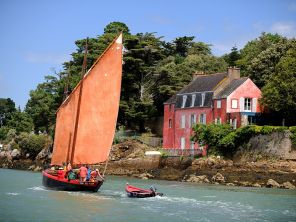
(192,145)
(234,103)
(193,100)
(234,123)
(203,118)
(192,119)
(184,98)
(183,121)
(248,104)
(218,104)
(203,96)
(182,141)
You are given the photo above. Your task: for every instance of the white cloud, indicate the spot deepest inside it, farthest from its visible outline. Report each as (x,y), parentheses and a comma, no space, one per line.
(52,58)
(287,29)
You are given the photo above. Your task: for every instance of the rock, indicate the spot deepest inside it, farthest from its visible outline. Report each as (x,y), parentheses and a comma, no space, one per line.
(38,168)
(15,154)
(31,167)
(144,176)
(288,185)
(43,154)
(230,184)
(27,155)
(196,179)
(272,184)
(256,185)
(246,184)
(219,178)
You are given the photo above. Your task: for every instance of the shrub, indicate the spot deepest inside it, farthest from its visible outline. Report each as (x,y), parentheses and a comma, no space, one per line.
(33,144)
(3,132)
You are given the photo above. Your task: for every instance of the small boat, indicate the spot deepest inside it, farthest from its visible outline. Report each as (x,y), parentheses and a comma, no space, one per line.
(141,193)
(86,121)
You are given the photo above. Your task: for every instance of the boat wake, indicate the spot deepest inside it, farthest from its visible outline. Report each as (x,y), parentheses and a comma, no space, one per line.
(38,188)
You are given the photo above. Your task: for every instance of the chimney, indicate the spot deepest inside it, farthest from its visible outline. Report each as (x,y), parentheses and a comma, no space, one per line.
(233,73)
(196,74)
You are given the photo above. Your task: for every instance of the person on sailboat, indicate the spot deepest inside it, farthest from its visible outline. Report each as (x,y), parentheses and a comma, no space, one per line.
(82,173)
(95,175)
(88,173)
(69,167)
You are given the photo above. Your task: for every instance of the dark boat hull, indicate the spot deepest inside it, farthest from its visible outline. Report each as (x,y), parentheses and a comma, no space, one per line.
(53,182)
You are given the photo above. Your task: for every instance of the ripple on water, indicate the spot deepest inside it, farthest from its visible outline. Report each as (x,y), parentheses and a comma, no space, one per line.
(12,194)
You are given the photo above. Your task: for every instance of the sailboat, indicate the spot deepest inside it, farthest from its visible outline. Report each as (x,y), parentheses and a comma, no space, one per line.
(86,120)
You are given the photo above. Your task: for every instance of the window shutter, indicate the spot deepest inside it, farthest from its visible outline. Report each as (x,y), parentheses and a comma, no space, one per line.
(254,104)
(241,104)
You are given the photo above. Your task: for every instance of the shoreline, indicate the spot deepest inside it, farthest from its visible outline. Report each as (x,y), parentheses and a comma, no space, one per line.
(267,173)
(128,159)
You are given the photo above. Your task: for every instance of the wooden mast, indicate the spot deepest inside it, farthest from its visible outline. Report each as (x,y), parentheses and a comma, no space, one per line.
(79,102)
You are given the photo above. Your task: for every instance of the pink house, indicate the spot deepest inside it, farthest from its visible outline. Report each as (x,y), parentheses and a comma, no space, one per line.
(216,98)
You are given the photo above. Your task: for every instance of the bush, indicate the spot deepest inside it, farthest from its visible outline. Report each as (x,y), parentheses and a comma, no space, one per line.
(3,132)
(223,140)
(33,144)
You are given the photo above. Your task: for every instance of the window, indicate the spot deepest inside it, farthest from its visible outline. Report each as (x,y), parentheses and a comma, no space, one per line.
(192,145)
(218,120)
(182,143)
(202,99)
(202,118)
(184,101)
(234,104)
(247,104)
(192,119)
(218,104)
(234,123)
(170,123)
(183,118)
(193,100)
(170,107)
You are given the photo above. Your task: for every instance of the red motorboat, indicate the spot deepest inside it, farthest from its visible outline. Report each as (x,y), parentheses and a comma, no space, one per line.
(86,120)
(141,193)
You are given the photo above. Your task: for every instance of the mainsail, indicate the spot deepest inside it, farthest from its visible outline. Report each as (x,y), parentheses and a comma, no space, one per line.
(91,140)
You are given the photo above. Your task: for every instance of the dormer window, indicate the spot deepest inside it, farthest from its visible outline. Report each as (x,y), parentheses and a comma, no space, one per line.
(193,100)
(203,95)
(184,101)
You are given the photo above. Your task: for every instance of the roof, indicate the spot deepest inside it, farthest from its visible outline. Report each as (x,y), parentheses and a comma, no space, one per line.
(201,99)
(202,83)
(230,88)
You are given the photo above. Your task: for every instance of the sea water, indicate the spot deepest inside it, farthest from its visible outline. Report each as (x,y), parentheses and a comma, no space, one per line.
(23,198)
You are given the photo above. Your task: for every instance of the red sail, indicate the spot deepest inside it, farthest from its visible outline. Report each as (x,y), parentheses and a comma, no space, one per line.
(98,112)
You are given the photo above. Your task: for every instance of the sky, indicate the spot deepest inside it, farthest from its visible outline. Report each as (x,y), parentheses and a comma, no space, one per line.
(37,36)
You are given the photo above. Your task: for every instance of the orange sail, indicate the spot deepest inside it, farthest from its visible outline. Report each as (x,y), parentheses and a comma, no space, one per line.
(95,113)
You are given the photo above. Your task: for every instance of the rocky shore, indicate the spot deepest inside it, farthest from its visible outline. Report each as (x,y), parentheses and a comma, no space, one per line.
(128,159)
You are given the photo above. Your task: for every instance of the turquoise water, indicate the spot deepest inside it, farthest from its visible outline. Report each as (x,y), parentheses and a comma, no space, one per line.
(23,198)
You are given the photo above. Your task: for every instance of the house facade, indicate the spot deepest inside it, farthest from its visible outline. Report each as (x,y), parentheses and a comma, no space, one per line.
(217,98)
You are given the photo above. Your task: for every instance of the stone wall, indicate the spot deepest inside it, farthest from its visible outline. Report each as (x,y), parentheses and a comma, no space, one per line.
(277,144)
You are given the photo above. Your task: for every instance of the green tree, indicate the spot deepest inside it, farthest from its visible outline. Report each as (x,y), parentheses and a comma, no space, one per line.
(43,103)
(21,122)
(232,57)
(253,48)
(279,94)
(7,107)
